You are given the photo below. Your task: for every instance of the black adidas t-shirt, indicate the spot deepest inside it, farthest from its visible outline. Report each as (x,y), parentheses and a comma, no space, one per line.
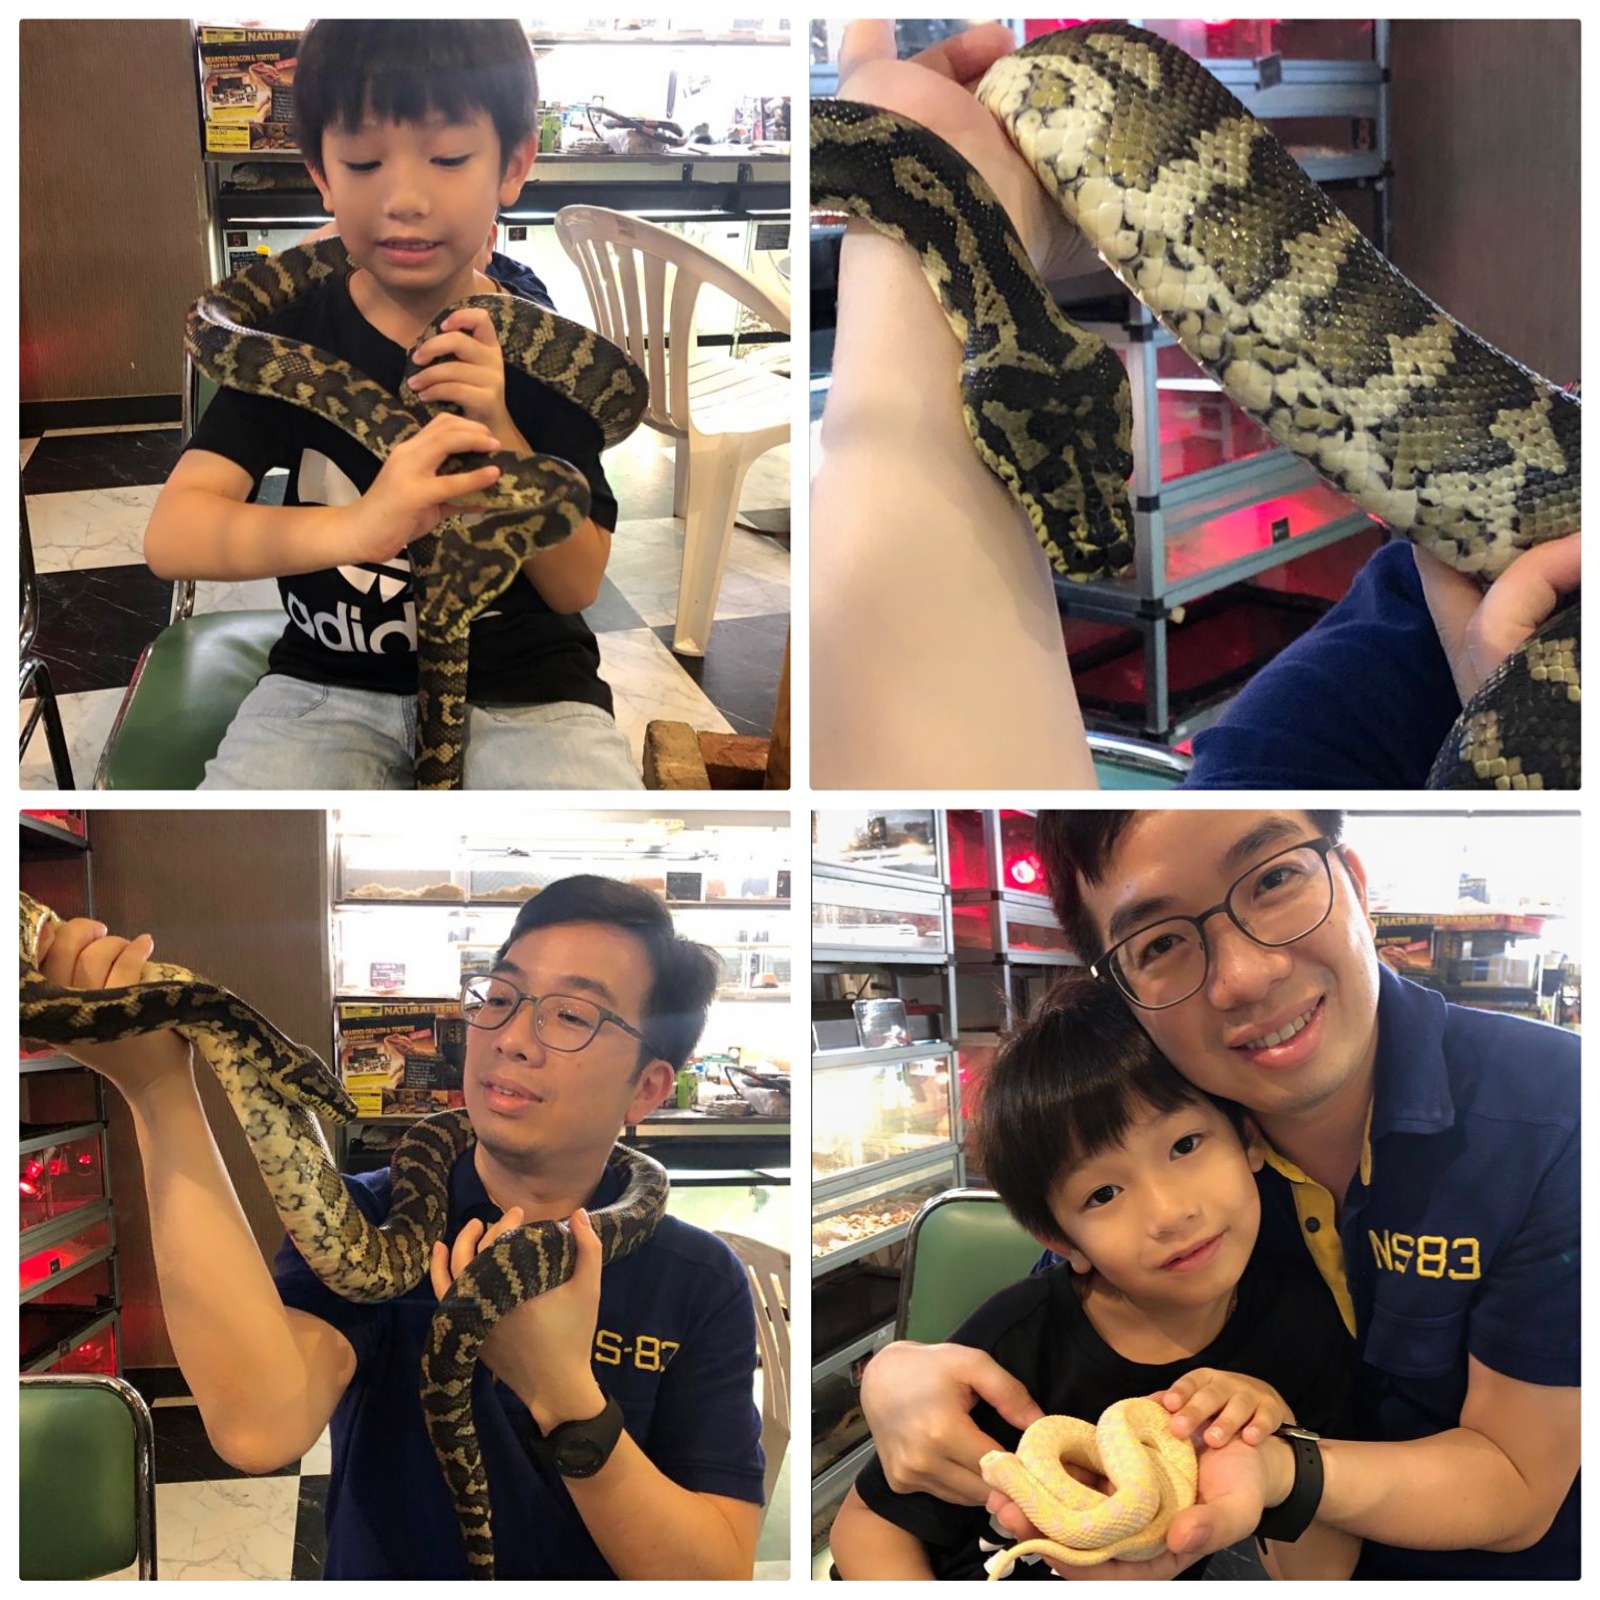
(355,626)
(1285,1330)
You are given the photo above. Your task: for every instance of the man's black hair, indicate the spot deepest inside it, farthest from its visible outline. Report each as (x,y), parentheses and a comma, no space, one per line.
(1066,1085)
(683,975)
(1075,848)
(402,71)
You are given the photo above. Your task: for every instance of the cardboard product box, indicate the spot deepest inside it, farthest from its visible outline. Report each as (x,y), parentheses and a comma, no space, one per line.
(247,88)
(401,1057)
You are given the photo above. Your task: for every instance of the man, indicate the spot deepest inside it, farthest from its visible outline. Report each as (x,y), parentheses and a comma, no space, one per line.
(667,1334)
(1425,1155)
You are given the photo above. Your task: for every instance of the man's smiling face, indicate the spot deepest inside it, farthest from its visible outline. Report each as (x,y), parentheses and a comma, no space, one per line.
(1282,1030)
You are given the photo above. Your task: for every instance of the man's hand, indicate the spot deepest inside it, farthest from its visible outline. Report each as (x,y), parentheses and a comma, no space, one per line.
(543,1348)
(917,1400)
(935,89)
(464,366)
(81,954)
(408,498)
(1236,1405)
(1479,630)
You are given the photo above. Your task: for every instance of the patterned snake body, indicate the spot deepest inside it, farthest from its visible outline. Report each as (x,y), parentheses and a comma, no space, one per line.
(1207,219)
(277,1090)
(469,560)
(1152,1473)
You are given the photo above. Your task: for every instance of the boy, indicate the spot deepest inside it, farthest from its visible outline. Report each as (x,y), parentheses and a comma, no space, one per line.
(414,133)
(1146,1188)
(648,1365)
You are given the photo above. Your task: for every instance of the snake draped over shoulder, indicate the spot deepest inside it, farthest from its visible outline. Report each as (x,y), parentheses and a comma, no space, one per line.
(471,558)
(278,1089)
(1210,222)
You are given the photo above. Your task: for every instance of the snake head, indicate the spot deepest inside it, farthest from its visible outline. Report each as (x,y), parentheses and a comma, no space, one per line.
(33,920)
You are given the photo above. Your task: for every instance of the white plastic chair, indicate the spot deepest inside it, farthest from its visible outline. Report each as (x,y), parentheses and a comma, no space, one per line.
(767,1268)
(723,412)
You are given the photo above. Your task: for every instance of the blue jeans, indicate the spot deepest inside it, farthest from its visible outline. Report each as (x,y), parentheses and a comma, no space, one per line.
(289,734)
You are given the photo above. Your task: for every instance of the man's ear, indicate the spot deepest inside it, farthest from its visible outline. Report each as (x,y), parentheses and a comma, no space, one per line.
(518,164)
(654,1084)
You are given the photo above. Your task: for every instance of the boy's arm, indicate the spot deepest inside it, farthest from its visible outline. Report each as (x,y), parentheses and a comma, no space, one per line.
(567,575)
(204,527)
(865,1545)
(266,1378)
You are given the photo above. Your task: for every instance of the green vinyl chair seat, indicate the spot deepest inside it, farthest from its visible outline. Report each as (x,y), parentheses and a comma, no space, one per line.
(963,1246)
(188,685)
(86,1477)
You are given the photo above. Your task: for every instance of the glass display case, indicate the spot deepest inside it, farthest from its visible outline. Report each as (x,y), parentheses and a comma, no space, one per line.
(60,1172)
(848,918)
(899,843)
(1008,926)
(879,1110)
(868,1215)
(996,851)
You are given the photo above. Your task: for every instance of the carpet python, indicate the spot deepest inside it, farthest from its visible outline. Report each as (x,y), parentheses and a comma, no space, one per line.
(1206,218)
(1152,1473)
(277,1090)
(470,560)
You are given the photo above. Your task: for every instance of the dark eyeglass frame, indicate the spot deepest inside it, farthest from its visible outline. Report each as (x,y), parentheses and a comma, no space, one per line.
(537,1000)
(1106,970)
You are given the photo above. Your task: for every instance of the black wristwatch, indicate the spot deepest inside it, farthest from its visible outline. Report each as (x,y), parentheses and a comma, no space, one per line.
(1287,1521)
(581,1449)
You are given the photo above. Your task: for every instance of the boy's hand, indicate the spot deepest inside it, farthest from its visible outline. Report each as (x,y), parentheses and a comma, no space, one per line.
(408,498)
(543,1348)
(1234,1404)
(464,366)
(80,954)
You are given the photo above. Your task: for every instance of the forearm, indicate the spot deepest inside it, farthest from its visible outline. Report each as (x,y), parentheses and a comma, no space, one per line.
(865,1545)
(230,1332)
(1451,1491)
(928,586)
(568,575)
(1320,1552)
(194,534)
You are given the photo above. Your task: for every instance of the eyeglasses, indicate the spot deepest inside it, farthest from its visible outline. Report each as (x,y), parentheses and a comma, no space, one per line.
(563,1021)
(1276,902)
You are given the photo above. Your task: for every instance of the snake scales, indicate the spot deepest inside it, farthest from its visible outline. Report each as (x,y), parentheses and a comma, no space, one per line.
(1207,219)
(277,1090)
(469,560)
(1152,1474)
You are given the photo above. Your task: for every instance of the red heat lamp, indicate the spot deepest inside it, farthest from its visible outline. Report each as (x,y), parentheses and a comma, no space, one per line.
(1025,871)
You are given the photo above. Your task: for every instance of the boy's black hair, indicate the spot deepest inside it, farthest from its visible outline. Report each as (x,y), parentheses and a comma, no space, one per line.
(402,71)
(1075,847)
(683,975)
(1066,1085)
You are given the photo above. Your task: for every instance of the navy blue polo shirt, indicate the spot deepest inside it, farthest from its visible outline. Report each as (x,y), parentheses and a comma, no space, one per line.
(1458,1237)
(675,1345)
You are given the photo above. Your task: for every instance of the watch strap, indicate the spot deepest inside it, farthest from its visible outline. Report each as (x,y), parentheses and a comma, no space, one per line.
(1286,1521)
(579,1449)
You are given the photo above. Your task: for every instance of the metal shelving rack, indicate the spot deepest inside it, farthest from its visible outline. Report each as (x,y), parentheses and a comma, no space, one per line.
(969,932)
(56,866)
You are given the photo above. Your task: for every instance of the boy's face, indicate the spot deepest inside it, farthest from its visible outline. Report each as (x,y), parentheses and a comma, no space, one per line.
(526,1100)
(414,202)
(1169,1216)
(1182,863)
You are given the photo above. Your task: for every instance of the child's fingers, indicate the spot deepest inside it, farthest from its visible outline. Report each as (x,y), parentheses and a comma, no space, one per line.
(1235,1413)
(1270,1415)
(1202,1402)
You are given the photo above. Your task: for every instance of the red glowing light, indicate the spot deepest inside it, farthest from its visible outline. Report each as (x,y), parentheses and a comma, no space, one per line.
(85,1160)
(1025,871)
(34,1170)
(30,1191)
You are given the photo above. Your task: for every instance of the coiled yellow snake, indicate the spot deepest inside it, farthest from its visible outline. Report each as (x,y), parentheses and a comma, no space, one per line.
(1152,1475)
